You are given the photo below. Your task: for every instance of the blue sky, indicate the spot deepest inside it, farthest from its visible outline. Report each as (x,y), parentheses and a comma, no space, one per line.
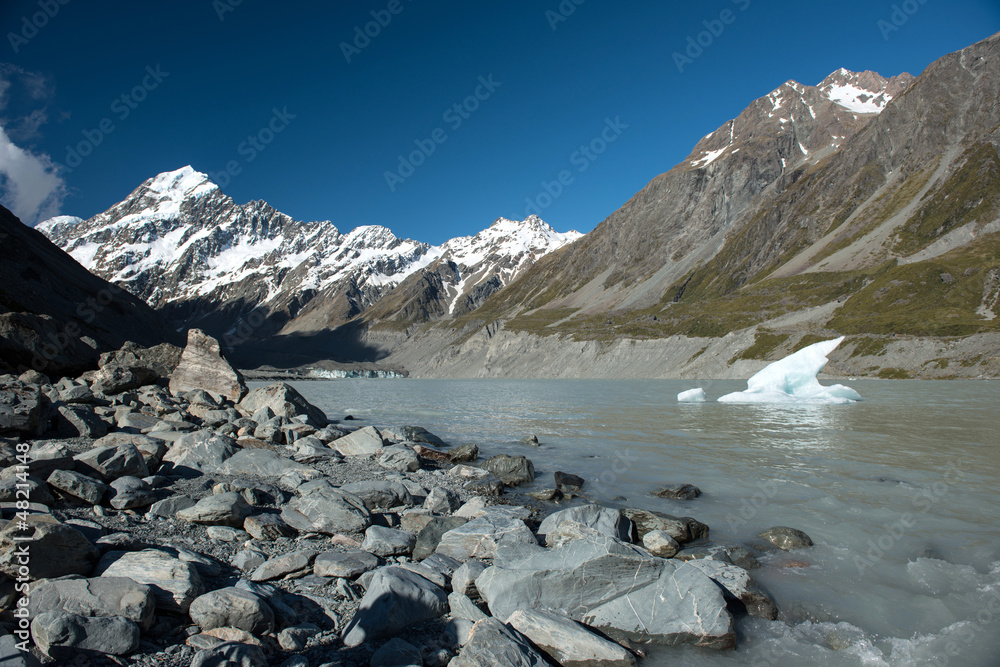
(200,77)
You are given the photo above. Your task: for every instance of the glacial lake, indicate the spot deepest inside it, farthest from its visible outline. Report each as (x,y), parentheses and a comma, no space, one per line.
(899,492)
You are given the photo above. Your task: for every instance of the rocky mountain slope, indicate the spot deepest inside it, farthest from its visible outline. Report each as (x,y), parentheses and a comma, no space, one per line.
(55,316)
(246,272)
(862,206)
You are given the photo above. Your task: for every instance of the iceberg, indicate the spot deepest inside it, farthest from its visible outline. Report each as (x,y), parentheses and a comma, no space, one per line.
(793,380)
(692,396)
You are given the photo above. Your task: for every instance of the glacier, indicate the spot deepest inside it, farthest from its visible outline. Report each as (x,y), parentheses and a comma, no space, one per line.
(793,380)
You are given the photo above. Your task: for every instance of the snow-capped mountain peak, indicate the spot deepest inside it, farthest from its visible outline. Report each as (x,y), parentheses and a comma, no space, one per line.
(185,247)
(184,183)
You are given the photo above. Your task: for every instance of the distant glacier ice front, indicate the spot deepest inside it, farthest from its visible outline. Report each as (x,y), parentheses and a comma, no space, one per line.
(790,380)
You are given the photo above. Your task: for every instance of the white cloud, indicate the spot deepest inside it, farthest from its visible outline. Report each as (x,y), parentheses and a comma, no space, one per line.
(30,184)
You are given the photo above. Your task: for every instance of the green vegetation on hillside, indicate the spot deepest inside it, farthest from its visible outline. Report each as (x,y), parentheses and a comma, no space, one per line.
(972,194)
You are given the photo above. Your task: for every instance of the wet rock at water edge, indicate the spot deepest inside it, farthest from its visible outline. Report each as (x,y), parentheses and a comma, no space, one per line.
(511,470)
(678,492)
(567,642)
(568,483)
(492,643)
(786,538)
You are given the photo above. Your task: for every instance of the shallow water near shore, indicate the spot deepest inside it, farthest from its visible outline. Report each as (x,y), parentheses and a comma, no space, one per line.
(899,493)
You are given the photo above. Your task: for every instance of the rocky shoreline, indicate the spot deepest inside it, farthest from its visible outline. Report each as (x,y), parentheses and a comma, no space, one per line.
(156,512)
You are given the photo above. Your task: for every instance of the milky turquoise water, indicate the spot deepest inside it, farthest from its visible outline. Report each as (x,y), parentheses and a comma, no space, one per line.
(900,493)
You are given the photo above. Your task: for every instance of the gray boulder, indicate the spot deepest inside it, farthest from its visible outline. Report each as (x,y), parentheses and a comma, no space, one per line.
(739,587)
(786,538)
(267,527)
(479,538)
(345,564)
(281,400)
(168,507)
(202,367)
(162,359)
(200,452)
(413,434)
(21,406)
(131,492)
(62,635)
(380,494)
(400,458)
(174,582)
(430,534)
(683,529)
(397,653)
(395,599)
(78,485)
(462,606)
(225,509)
(263,463)
(12,489)
(678,492)
(616,588)
(493,643)
(605,520)
(230,654)
(511,470)
(294,564)
(114,378)
(56,549)
(568,483)
(101,596)
(388,541)
(567,642)
(464,453)
(232,608)
(321,508)
(79,421)
(364,442)
(464,578)
(660,543)
(442,500)
(111,462)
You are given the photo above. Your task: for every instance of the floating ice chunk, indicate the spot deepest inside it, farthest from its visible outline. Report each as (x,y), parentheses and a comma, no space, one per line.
(692,396)
(793,380)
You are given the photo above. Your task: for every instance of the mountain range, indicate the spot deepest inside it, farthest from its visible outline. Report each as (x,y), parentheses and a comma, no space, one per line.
(863,205)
